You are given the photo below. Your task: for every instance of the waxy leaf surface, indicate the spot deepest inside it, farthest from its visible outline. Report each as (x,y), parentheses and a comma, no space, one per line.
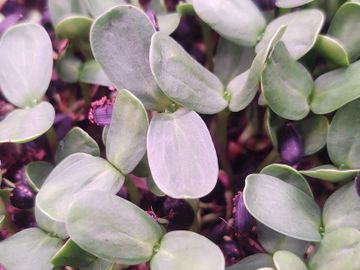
(332,50)
(92,73)
(179,148)
(37,172)
(121,232)
(291,3)
(183,79)
(330,173)
(285,260)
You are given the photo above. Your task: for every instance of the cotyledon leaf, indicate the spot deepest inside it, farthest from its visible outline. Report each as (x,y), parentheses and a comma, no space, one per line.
(255,261)
(332,49)
(179,147)
(183,79)
(92,73)
(286,260)
(330,173)
(26,64)
(24,125)
(243,88)
(237,20)
(98,7)
(126,137)
(301,33)
(58,9)
(37,172)
(120,40)
(286,85)
(291,3)
(121,232)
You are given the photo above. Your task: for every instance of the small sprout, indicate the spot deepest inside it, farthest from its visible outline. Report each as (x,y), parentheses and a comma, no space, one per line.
(101,111)
(242,219)
(290,145)
(22,197)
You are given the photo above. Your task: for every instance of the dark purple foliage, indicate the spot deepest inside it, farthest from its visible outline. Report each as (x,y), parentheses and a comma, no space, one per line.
(265,4)
(24,219)
(218,231)
(290,145)
(242,219)
(101,111)
(357,184)
(231,251)
(22,197)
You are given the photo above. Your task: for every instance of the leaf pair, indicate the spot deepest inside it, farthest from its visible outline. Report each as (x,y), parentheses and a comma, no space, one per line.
(25,74)
(125,147)
(125,234)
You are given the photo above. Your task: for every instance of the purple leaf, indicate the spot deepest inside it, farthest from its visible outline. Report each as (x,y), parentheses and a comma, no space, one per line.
(242,219)
(290,145)
(101,112)
(357,184)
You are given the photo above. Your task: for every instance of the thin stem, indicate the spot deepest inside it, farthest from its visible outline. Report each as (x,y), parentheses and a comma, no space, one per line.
(206,33)
(52,140)
(133,191)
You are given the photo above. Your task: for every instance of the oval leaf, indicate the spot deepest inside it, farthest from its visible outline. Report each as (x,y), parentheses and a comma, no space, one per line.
(177,141)
(342,27)
(24,125)
(330,173)
(183,79)
(336,88)
(76,173)
(168,22)
(291,3)
(178,246)
(26,64)
(28,250)
(282,207)
(37,172)
(333,50)
(120,40)
(342,209)
(68,66)
(343,144)
(98,7)
(301,33)
(285,80)
(76,141)
(126,138)
(74,28)
(127,233)
(237,20)
(285,260)
(339,250)
(92,73)
(243,88)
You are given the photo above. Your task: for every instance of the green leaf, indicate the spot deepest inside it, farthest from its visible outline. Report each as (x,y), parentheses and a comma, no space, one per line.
(153,187)
(255,261)
(282,207)
(75,27)
(100,264)
(177,141)
(37,172)
(288,175)
(178,246)
(342,209)
(92,73)
(76,141)
(26,64)
(339,250)
(76,173)
(313,132)
(333,50)
(168,22)
(243,88)
(231,60)
(58,9)
(237,20)
(98,7)
(24,125)
(126,138)
(343,142)
(72,255)
(185,9)
(28,250)
(272,241)
(183,79)
(291,4)
(69,66)
(301,33)
(342,27)
(286,82)
(127,233)
(120,40)
(336,88)
(330,173)
(50,225)
(285,260)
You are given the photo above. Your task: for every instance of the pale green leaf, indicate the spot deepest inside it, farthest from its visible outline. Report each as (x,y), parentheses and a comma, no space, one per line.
(282,207)
(74,27)
(291,3)
(330,173)
(28,250)
(98,7)
(255,261)
(182,250)
(179,148)
(24,125)
(168,22)
(92,73)
(332,49)
(339,250)
(120,40)
(69,66)
(237,20)
(112,228)
(37,172)
(183,79)
(76,141)
(286,85)
(59,9)
(301,33)
(285,260)
(26,64)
